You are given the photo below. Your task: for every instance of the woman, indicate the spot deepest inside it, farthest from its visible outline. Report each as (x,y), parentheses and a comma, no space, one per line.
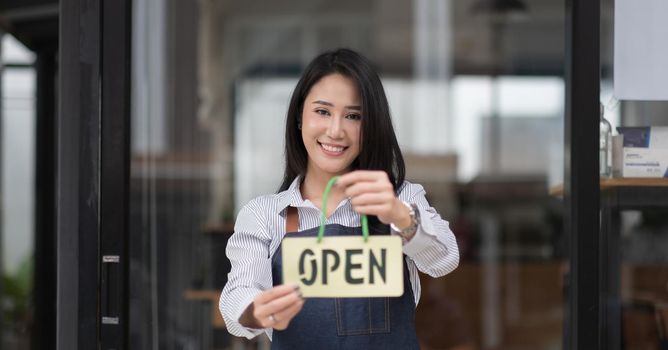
(338,123)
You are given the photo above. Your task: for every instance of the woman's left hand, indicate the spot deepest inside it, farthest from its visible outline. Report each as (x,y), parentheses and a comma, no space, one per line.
(372,193)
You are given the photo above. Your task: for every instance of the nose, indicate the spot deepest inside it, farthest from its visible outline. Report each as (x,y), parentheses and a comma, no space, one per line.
(335,127)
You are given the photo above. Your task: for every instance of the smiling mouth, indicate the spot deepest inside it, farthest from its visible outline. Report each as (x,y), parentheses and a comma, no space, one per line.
(332,150)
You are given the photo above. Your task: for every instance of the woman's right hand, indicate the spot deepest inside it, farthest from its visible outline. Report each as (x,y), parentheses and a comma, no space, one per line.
(273,308)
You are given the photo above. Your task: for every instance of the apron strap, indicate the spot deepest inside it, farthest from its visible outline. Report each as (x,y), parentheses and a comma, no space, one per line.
(291,220)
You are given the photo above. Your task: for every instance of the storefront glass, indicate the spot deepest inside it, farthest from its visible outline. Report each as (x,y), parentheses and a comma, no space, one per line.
(477,99)
(634,223)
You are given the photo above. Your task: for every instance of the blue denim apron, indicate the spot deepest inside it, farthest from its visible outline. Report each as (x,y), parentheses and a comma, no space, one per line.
(347,323)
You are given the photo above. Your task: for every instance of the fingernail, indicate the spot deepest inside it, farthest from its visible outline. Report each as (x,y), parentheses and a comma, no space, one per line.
(296,287)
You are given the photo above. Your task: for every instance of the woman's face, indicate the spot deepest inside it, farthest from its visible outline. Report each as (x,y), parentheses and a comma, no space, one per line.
(331,122)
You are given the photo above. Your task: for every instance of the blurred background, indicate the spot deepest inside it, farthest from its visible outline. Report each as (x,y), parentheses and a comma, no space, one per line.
(477,95)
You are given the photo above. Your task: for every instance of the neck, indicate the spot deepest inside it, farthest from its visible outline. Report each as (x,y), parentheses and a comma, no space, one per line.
(313,187)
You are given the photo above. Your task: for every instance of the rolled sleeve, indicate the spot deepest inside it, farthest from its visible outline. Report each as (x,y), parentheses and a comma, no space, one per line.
(433,248)
(248,252)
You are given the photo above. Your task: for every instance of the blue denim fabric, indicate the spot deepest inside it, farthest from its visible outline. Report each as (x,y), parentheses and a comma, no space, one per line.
(348,323)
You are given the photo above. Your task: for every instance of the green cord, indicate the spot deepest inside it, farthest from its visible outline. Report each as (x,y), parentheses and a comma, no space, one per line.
(323,217)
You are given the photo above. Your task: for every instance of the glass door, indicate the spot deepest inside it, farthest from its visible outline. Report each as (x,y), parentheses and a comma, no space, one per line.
(477,95)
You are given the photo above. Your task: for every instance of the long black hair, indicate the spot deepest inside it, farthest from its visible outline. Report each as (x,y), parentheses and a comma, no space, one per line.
(379,149)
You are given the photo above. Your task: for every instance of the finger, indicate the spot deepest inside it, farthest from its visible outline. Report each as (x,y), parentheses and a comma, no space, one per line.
(360,175)
(267,322)
(284,317)
(364,187)
(266,313)
(275,292)
(376,209)
(277,305)
(371,199)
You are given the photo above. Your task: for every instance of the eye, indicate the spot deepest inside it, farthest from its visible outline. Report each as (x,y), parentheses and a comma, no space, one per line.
(354,116)
(322,112)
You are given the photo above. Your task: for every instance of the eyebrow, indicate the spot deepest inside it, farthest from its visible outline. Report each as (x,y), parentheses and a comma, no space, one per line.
(321,102)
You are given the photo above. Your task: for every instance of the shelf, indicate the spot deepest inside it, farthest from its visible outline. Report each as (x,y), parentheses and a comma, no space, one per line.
(558,190)
(211,296)
(224,229)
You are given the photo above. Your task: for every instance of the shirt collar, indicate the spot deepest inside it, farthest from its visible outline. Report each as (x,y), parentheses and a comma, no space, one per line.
(292,196)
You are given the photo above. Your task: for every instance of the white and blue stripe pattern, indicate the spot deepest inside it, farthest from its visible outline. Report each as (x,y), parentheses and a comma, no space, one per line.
(260,227)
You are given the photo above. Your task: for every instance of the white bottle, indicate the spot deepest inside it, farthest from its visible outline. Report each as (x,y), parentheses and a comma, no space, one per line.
(604,146)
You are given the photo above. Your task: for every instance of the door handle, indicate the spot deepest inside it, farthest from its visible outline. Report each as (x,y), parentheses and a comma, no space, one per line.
(109,291)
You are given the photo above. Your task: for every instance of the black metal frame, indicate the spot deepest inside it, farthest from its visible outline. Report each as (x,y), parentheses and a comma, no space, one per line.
(93,174)
(45,200)
(585,319)
(78,176)
(115,169)
(2,286)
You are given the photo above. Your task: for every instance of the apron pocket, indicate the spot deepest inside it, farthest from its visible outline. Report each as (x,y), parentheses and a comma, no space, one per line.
(360,316)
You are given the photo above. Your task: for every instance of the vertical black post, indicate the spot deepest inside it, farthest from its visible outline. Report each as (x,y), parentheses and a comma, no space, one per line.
(115,172)
(581,190)
(78,174)
(2,258)
(45,201)
(93,174)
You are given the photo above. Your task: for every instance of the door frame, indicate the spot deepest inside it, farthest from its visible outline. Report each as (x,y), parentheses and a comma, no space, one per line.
(584,323)
(93,137)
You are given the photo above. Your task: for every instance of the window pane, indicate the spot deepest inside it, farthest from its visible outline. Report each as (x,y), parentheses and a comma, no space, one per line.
(17,192)
(633,210)
(477,101)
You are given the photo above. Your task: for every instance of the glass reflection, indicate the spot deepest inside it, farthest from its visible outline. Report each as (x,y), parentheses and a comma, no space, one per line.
(633,210)
(477,102)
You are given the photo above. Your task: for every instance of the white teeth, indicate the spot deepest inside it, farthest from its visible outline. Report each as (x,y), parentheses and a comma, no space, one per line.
(332,148)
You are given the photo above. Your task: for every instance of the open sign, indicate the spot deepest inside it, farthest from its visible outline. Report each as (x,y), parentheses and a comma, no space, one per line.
(344,266)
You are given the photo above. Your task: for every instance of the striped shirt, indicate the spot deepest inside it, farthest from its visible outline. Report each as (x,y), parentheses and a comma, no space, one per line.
(260,227)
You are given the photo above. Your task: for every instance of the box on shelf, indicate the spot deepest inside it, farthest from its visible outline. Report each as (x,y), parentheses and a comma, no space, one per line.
(645,152)
(645,162)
